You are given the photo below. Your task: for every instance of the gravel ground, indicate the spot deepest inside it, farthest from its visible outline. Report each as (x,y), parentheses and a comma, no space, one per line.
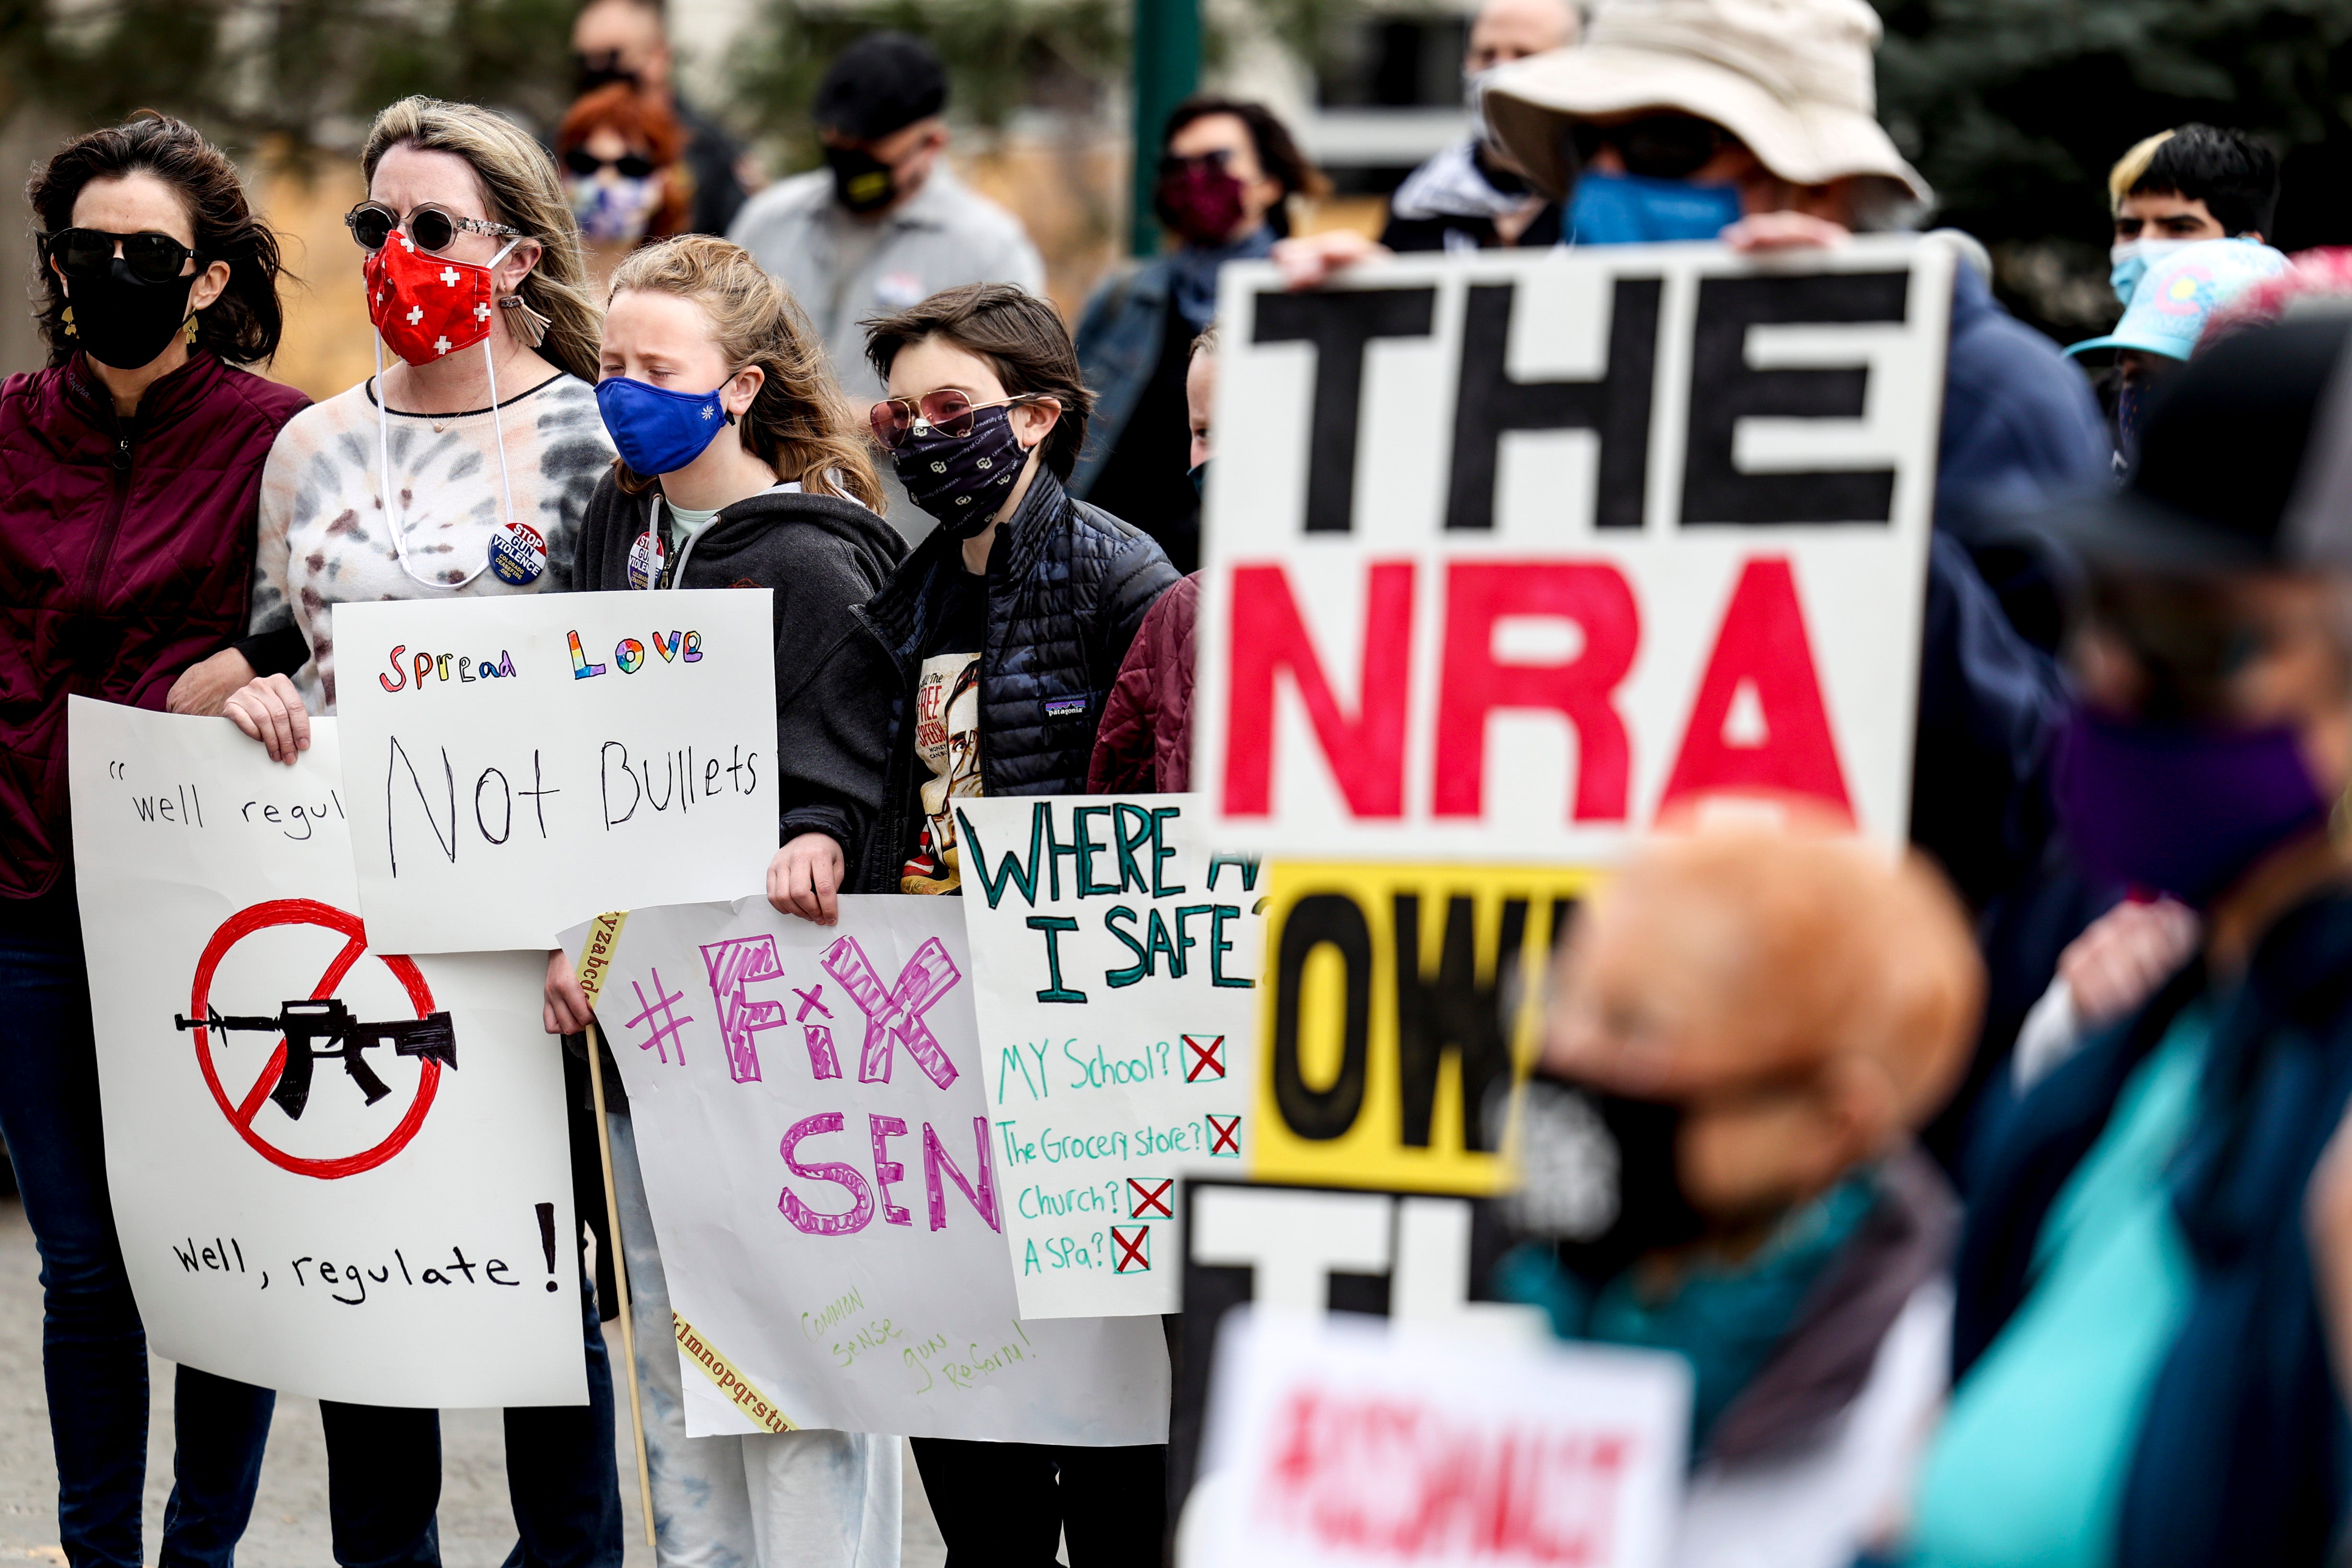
(289,1520)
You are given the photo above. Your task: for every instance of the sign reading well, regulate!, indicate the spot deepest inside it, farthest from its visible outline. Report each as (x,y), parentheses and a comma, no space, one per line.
(1114,960)
(514,765)
(1507,555)
(337,1171)
(824,1183)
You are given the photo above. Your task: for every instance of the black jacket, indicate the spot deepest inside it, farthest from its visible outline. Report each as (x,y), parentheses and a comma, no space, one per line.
(823,557)
(1069,585)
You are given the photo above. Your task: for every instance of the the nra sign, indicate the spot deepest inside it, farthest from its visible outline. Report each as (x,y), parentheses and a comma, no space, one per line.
(1507,554)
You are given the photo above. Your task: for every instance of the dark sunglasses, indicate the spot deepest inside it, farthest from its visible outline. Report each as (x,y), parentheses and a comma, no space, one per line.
(90,253)
(1171,163)
(1656,146)
(372,222)
(943,412)
(630,165)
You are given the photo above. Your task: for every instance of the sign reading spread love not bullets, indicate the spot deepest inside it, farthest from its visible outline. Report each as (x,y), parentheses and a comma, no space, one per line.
(514,765)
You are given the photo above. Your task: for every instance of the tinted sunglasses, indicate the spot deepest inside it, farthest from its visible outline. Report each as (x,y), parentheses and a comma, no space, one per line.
(628,165)
(1656,146)
(372,222)
(1171,163)
(946,412)
(90,253)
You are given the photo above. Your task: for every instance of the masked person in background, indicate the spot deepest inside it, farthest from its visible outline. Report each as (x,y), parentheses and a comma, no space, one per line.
(2143,1378)
(1471,197)
(463,470)
(620,159)
(885,224)
(1748,1025)
(1227,172)
(127,538)
(627,41)
(2182,186)
(1005,629)
(741,465)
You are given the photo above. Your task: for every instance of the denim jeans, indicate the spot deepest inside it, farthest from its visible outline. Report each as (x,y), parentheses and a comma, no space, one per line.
(383,1477)
(93,1350)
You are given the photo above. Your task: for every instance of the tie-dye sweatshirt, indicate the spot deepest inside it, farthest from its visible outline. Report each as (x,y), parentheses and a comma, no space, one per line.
(324,537)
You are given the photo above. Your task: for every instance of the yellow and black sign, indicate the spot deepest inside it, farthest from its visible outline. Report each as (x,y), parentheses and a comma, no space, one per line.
(1401,1001)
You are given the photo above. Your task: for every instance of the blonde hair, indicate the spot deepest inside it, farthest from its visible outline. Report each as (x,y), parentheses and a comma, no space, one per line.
(2130,167)
(801,423)
(522,190)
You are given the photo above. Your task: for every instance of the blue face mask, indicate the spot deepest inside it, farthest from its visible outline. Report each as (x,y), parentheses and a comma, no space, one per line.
(2128,261)
(1632,209)
(656,430)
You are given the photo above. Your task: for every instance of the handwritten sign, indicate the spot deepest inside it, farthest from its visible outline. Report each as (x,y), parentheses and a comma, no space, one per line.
(514,765)
(336,1171)
(1335,1441)
(1114,960)
(823,1178)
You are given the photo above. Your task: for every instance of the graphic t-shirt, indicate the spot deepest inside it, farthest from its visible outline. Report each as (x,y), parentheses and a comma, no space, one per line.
(947,732)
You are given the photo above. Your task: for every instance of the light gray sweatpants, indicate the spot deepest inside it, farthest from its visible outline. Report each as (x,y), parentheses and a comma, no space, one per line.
(786,1499)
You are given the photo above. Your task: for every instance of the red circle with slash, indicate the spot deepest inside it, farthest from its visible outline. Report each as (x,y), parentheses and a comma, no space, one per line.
(309,912)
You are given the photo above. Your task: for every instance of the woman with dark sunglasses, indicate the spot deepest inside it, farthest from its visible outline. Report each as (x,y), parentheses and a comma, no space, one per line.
(127,539)
(620,153)
(462,470)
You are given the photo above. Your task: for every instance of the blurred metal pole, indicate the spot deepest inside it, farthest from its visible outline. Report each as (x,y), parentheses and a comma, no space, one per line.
(1167,70)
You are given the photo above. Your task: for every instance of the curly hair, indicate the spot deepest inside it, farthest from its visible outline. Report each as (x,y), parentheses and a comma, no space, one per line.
(1020,336)
(243,325)
(520,189)
(801,423)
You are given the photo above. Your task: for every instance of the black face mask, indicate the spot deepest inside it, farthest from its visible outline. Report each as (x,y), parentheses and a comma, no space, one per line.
(124,322)
(861,182)
(1603,1180)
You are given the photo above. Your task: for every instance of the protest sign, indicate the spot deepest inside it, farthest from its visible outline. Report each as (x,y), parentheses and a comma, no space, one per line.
(334,1173)
(818,1156)
(1505,554)
(515,766)
(1334,1442)
(1113,963)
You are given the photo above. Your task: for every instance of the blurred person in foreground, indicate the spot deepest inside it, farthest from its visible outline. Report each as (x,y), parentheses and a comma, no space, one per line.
(2142,1371)
(2167,314)
(885,225)
(620,156)
(1470,197)
(2180,186)
(627,41)
(1227,173)
(1748,1025)
(127,540)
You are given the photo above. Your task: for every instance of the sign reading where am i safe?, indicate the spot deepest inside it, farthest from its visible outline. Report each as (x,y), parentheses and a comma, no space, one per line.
(336,1171)
(1114,960)
(514,765)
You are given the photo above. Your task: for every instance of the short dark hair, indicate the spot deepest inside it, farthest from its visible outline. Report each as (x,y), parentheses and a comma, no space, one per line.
(1278,154)
(881,84)
(2230,172)
(243,325)
(1021,337)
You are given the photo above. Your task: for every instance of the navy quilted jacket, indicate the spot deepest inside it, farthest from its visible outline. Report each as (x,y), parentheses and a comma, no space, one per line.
(1069,585)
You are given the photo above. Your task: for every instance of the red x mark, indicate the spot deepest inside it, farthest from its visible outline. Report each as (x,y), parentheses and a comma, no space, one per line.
(1225,1135)
(1145,1199)
(1134,1244)
(1208,1057)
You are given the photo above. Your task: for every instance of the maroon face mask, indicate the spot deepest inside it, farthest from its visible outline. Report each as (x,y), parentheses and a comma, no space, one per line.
(1199,201)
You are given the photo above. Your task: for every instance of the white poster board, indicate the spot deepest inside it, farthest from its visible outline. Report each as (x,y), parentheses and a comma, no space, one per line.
(1507,553)
(514,765)
(373,1208)
(1334,1442)
(1114,958)
(817,1156)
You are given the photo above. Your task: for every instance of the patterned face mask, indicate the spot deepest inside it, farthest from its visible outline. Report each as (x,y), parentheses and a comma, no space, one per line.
(426,307)
(962,479)
(615,212)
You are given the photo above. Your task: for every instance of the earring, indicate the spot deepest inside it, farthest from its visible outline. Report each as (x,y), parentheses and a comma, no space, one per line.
(528,325)
(191,330)
(67,322)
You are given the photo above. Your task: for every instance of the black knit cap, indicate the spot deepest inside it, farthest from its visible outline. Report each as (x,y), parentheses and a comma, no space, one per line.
(881,83)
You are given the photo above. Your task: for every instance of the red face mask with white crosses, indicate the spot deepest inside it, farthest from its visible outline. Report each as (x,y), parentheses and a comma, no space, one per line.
(428,306)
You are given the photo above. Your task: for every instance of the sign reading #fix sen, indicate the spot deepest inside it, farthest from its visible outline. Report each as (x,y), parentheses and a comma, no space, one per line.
(1505,554)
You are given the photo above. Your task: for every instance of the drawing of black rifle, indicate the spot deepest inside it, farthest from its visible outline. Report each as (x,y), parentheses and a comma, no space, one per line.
(326,1031)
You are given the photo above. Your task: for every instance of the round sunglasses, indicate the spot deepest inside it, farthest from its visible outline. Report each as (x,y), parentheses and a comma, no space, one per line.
(90,253)
(628,165)
(372,222)
(945,413)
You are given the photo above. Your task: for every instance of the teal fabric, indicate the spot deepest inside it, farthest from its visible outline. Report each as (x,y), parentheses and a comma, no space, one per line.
(1724,1320)
(2029,1469)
